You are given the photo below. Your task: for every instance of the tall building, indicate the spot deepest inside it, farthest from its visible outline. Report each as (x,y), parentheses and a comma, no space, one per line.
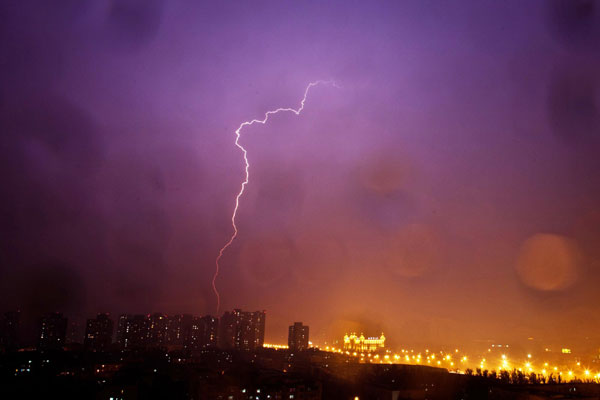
(98,333)
(179,329)
(9,330)
(227,329)
(158,330)
(53,331)
(210,331)
(204,333)
(133,331)
(121,330)
(75,332)
(242,330)
(298,337)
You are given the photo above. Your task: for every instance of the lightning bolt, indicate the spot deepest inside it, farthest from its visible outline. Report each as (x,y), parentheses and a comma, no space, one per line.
(238,134)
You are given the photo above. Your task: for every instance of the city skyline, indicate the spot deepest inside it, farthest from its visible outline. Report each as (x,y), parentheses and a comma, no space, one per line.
(243,331)
(12,323)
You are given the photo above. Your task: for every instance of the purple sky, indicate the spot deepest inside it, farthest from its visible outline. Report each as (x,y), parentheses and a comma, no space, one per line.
(449,191)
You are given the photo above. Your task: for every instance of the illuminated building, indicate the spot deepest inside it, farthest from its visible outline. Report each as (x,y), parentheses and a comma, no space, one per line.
(98,333)
(360,343)
(204,332)
(53,331)
(180,329)
(210,331)
(242,330)
(132,331)
(158,330)
(298,337)
(75,331)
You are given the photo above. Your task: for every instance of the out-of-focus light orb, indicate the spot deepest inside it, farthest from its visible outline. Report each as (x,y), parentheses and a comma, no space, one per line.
(548,262)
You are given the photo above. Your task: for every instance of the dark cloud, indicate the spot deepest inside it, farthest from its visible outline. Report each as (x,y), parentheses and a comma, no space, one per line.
(573,106)
(575,22)
(50,287)
(50,152)
(134,23)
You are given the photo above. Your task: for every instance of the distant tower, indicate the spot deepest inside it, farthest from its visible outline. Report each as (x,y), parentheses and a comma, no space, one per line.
(203,333)
(158,330)
(53,331)
(209,331)
(298,337)
(180,330)
(242,330)
(133,331)
(98,333)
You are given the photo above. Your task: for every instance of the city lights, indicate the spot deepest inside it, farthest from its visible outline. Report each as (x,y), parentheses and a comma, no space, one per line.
(506,363)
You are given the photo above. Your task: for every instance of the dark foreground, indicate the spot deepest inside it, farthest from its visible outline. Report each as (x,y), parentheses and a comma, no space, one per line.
(266,374)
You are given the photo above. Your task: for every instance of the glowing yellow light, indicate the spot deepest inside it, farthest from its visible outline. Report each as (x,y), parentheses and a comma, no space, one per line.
(587,372)
(528,355)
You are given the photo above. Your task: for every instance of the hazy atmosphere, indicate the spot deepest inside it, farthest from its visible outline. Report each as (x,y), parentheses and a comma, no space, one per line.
(446,189)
